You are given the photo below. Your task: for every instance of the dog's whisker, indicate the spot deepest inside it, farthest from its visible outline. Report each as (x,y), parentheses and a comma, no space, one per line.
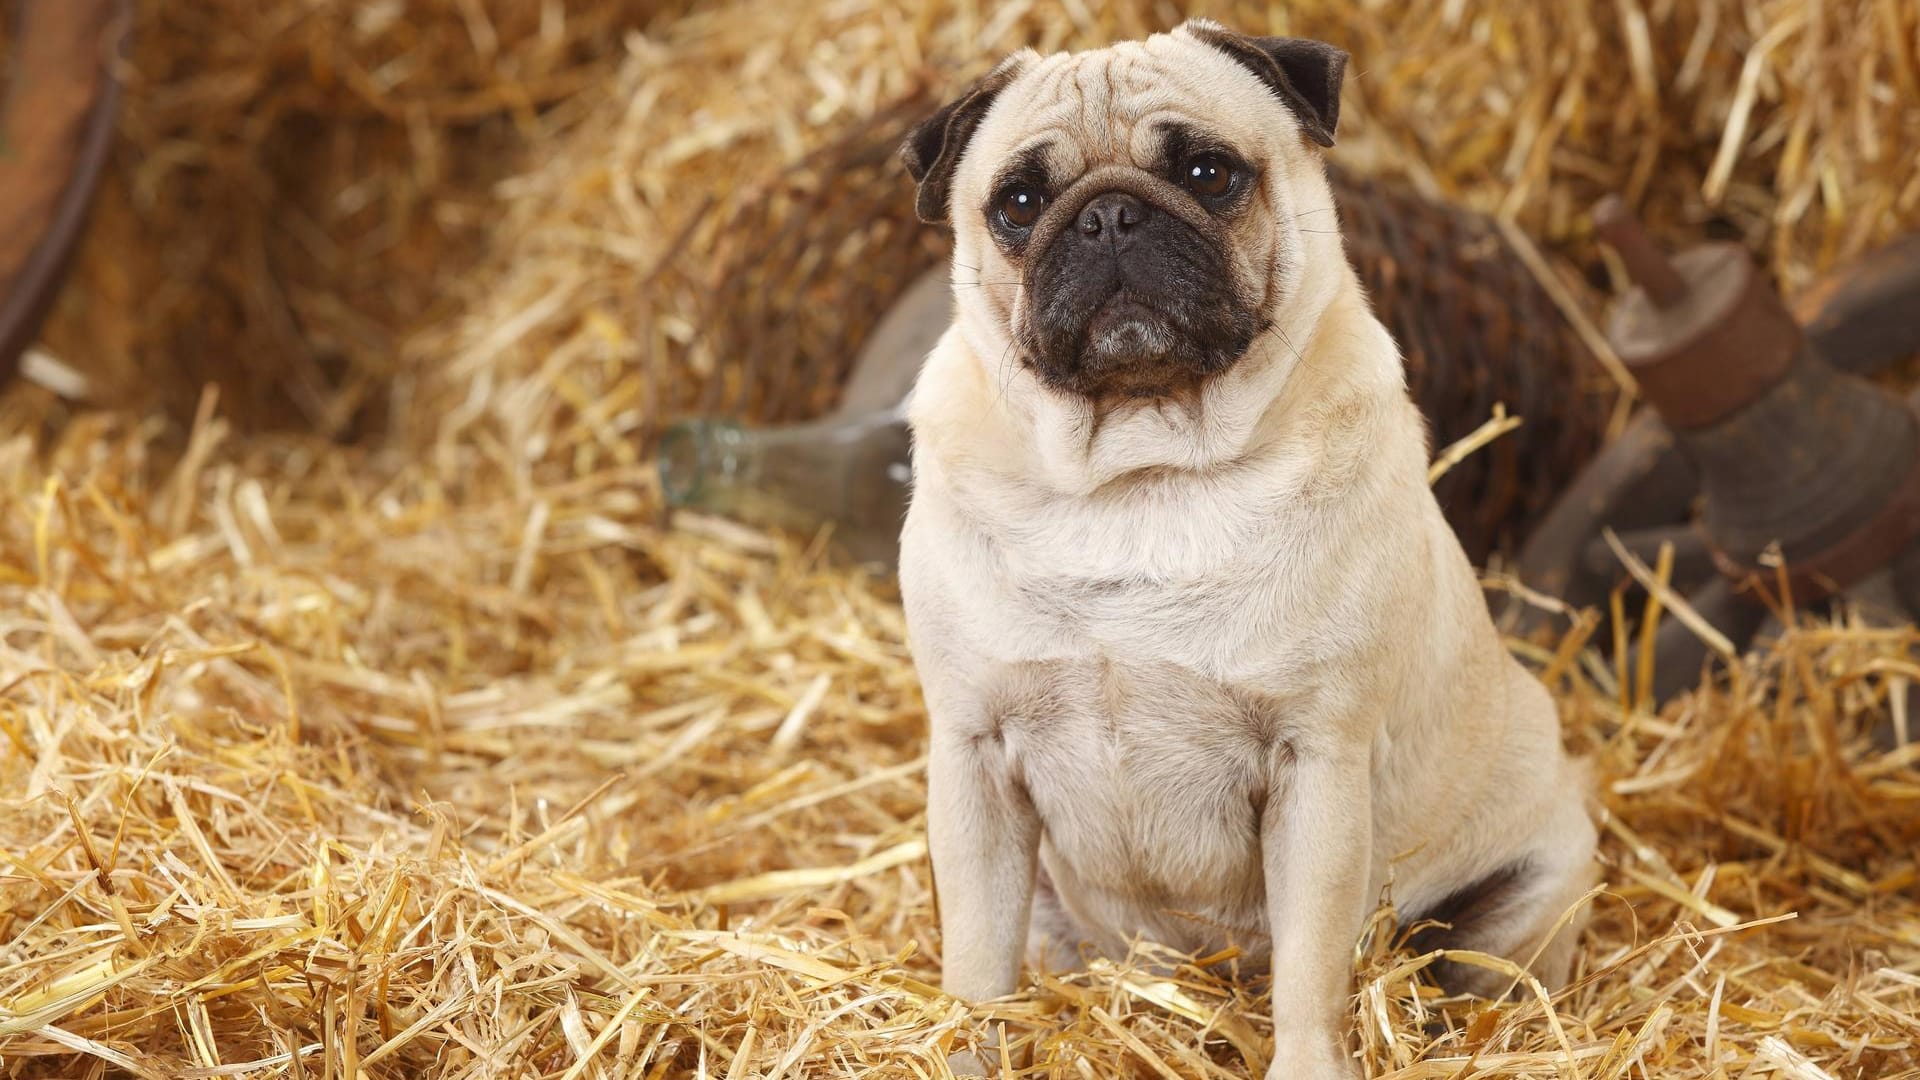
(1275,329)
(1001,396)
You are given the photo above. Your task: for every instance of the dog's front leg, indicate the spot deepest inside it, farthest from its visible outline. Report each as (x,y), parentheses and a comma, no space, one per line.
(1316,844)
(985,838)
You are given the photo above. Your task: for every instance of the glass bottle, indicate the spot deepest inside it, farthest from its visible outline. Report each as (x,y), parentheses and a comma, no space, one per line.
(852,473)
(850,470)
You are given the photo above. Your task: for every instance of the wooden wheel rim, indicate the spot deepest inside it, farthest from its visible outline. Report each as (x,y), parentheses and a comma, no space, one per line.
(57,123)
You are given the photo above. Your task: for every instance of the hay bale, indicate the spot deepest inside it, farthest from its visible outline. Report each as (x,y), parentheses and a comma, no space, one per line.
(294,183)
(438,755)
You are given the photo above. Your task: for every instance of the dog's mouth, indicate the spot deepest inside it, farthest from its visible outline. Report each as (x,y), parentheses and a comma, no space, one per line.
(1125,314)
(1130,349)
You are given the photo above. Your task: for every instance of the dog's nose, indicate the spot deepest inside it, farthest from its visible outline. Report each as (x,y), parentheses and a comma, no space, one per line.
(1113,215)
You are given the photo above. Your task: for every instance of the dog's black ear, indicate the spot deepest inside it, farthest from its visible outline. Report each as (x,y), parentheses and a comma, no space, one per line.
(932,150)
(1305,74)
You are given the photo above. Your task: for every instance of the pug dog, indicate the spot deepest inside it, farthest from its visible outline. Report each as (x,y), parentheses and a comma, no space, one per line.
(1204,662)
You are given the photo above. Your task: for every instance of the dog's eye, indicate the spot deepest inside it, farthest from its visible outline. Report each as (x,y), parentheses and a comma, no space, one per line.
(1207,175)
(1021,206)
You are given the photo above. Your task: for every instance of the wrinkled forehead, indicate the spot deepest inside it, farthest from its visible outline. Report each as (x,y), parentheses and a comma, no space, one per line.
(1115,105)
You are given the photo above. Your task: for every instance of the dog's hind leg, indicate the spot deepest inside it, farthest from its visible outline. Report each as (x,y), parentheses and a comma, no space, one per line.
(1055,940)
(1516,912)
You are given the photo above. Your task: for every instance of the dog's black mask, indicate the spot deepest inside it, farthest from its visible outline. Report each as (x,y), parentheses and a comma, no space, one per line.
(1131,292)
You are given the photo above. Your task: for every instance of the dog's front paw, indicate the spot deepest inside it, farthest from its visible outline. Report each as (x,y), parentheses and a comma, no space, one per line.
(1311,1059)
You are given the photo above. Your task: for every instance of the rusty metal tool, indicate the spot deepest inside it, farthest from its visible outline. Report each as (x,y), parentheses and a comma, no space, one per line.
(1787,452)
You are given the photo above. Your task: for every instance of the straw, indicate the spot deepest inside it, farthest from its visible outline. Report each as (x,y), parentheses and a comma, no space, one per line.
(369,718)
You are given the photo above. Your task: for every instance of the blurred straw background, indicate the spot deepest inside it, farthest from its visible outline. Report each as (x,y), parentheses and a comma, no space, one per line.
(361,716)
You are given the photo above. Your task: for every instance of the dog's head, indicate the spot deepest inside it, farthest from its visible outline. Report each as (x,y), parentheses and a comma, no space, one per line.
(1130,219)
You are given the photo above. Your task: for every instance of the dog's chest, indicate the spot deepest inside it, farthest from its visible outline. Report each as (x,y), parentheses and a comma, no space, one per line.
(1149,780)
